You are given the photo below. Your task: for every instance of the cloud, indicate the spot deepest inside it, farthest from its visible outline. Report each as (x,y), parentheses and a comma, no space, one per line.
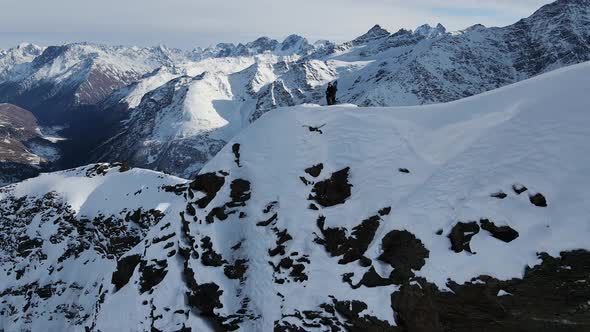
(189,23)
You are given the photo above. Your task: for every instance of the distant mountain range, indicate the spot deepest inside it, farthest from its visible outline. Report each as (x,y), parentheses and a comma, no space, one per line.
(172,110)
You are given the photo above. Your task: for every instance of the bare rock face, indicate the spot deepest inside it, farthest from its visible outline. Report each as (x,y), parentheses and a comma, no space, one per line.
(461,235)
(503,233)
(125,269)
(405,253)
(538,200)
(334,190)
(534,303)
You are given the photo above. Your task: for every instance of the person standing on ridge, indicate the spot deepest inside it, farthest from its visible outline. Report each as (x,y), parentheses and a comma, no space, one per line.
(331,93)
(334,90)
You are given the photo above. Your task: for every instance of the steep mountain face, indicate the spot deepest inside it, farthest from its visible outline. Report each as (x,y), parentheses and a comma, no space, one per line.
(471,215)
(428,65)
(180,125)
(24,151)
(23,53)
(431,66)
(76,75)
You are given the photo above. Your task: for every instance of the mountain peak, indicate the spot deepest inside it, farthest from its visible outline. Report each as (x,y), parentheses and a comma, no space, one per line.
(560,7)
(430,32)
(295,44)
(376,32)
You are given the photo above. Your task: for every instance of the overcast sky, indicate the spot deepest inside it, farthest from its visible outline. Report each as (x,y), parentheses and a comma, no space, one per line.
(190,23)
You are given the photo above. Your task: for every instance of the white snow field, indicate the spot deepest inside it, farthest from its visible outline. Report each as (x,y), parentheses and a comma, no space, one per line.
(533,133)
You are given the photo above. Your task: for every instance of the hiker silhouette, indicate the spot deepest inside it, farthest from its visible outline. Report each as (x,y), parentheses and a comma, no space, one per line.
(331,93)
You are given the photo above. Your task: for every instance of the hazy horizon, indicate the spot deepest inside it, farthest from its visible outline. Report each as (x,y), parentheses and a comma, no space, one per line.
(185,24)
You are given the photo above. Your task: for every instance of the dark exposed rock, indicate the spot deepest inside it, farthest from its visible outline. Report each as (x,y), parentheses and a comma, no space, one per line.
(190,209)
(503,233)
(216,212)
(351,311)
(236,150)
(315,170)
(152,274)
(240,193)
(237,246)
(297,272)
(44,292)
(282,237)
(371,279)
(550,297)
(125,268)
(26,245)
(287,327)
(335,316)
(209,184)
(351,248)
(209,256)
(236,270)
(538,200)
(305,181)
(270,207)
(206,299)
(268,221)
(333,191)
(163,238)
(365,262)
(519,189)
(499,195)
(461,235)
(313,207)
(103,169)
(404,170)
(385,211)
(404,252)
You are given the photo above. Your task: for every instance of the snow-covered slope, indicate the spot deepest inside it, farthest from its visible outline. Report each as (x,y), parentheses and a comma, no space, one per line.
(24,150)
(23,53)
(428,65)
(63,78)
(470,215)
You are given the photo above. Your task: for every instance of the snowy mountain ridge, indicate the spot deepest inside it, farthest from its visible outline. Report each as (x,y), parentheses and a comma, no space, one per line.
(97,92)
(424,66)
(431,218)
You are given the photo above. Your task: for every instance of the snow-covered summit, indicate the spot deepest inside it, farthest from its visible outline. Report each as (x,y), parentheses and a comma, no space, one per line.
(431,32)
(375,33)
(23,53)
